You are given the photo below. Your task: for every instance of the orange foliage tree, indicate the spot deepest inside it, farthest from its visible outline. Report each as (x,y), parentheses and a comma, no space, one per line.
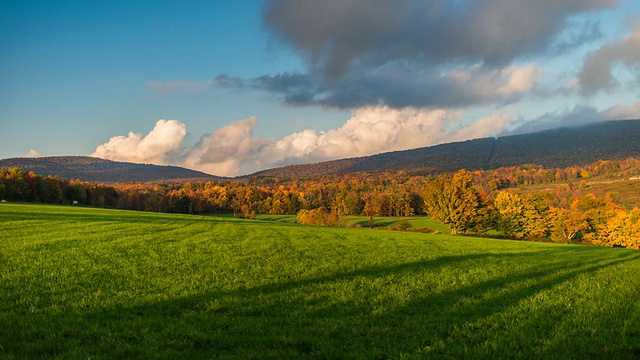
(623,230)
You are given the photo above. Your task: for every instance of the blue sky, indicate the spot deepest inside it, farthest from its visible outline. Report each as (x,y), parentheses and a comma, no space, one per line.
(232,87)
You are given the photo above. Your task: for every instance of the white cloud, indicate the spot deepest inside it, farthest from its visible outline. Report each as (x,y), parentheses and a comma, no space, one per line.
(165,139)
(227,151)
(32,153)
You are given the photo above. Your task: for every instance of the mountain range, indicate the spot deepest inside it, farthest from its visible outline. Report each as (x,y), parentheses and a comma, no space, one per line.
(98,170)
(562,147)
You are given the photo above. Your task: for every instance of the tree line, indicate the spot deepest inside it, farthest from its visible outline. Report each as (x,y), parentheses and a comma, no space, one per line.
(558,216)
(467,202)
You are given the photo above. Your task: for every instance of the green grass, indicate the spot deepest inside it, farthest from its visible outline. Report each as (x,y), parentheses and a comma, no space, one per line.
(91,283)
(289,219)
(418,222)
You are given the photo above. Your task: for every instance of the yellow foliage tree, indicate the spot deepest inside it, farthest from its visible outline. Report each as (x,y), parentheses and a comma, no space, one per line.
(567,224)
(522,217)
(457,203)
(623,230)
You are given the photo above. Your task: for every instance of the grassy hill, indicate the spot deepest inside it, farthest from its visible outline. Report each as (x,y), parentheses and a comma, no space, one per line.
(564,147)
(99,170)
(115,284)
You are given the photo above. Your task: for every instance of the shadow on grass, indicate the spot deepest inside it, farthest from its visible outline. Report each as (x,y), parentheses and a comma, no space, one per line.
(366,313)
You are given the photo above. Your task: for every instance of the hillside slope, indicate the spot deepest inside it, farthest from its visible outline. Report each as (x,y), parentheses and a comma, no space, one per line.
(562,147)
(99,170)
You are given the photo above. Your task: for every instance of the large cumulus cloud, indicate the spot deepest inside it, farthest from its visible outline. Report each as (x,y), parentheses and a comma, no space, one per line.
(163,141)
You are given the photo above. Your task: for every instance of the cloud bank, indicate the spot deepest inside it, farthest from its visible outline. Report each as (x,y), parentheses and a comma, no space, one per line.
(234,149)
(398,89)
(339,36)
(416,53)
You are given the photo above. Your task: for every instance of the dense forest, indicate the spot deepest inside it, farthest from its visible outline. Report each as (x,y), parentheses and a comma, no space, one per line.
(467,202)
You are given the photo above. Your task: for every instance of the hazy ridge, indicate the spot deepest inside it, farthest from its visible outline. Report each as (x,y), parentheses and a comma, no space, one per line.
(93,169)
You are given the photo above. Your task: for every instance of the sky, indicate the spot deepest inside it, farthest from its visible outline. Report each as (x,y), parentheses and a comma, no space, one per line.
(234,87)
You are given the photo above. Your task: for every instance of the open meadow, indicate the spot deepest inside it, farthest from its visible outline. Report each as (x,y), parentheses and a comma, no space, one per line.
(416,222)
(96,283)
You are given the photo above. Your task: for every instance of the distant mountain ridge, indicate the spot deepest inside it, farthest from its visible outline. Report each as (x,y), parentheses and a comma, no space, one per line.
(562,147)
(93,169)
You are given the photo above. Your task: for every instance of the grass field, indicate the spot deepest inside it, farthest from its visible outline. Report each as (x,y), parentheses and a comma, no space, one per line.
(92,283)
(417,222)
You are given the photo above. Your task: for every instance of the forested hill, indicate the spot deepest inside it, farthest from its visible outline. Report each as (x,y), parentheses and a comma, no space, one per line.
(563,147)
(93,169)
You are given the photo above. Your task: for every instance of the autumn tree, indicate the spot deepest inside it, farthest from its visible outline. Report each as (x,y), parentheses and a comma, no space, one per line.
(371,208)
(510,206)
(52,190)
(246,212)
(624,229)
(75,192)
(567,224)
(16,188)
(597,212)
(456,203)
(522,217)
(536,216)
(320,216)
